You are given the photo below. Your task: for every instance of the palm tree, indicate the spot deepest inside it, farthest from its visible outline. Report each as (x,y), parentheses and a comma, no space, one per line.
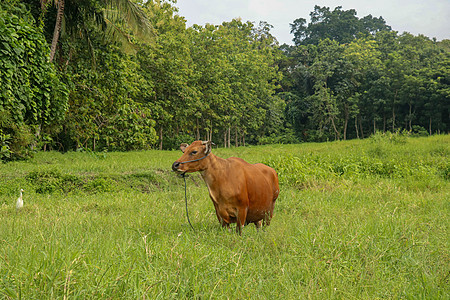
(112,16)
(59,16)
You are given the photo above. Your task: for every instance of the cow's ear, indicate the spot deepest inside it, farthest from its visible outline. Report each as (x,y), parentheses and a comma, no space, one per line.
(183,147)
(208,146)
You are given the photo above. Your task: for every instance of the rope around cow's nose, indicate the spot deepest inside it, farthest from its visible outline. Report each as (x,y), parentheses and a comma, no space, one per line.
(185,162)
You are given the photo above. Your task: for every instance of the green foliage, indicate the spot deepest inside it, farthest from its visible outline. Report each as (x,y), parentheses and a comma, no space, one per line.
(5,138)
(174,142)
(31,90)
(347,77)
(15,138)
(287,138)
(130,129)
(32,96)
(380,83)
(339,25)
(5,150)
(105,111)
(52,180)
(238,80)
(389,137)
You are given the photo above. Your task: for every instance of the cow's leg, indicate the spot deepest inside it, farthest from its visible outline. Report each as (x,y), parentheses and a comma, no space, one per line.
(219,217)
(239,227)
(267,218)
(222,221)
(227,226)
(258,225)
(240,220)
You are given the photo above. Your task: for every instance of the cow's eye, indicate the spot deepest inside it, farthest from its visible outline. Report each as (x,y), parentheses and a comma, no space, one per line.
(193,152)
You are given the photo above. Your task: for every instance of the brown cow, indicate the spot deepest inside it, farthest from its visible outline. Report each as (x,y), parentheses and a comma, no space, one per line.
(242,193)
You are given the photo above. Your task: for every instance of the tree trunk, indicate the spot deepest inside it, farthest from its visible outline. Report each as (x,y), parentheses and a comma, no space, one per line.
(161,138)
(198,131)
(393,119)
(430,126)
(229,137)
(356,127)
(345,128)
(56,32)
(410,117)
(346,114)
(236,142)
(225,139)
(360,127)
(336,132)
(393,112)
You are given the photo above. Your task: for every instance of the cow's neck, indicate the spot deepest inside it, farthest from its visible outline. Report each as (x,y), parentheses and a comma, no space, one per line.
(215,170)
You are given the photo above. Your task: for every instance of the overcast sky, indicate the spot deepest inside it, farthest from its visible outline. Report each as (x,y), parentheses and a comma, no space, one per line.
(428,17)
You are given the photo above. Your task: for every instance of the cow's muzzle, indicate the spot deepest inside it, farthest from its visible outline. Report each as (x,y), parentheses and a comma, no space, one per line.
(175,166)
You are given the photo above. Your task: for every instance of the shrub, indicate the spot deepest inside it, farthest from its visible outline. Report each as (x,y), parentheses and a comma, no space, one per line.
(398,137)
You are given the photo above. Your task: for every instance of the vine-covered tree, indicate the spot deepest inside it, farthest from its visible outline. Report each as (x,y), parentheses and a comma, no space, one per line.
(33,100)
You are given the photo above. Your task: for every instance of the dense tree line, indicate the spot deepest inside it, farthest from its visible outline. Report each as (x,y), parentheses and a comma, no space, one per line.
(124,75)
(350,81)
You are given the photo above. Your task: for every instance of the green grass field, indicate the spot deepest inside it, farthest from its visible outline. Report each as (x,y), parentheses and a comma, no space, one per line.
(362,219)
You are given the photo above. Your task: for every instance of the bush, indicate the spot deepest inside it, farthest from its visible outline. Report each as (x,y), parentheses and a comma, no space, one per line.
(50,181)
(419,131)
(398,137)
(15,139)
(5,151)
(287,138)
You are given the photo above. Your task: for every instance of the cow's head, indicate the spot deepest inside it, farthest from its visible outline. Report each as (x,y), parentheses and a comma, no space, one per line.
(193,158)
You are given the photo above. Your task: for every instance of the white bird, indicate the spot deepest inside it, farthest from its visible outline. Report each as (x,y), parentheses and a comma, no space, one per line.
(19,203)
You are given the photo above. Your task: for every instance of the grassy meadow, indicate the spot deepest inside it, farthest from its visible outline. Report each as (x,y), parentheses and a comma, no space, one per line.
(361,219)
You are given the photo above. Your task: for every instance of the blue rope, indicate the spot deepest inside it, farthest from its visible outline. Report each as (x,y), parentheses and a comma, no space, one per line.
(184,162)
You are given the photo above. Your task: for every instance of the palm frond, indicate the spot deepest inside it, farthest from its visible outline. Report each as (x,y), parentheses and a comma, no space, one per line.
(117,34)
(123,16)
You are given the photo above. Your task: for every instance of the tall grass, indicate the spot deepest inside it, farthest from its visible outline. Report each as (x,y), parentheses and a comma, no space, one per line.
(354,220)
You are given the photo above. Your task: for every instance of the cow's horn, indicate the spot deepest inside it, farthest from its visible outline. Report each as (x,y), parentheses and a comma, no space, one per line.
(183,146)
(208,146)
